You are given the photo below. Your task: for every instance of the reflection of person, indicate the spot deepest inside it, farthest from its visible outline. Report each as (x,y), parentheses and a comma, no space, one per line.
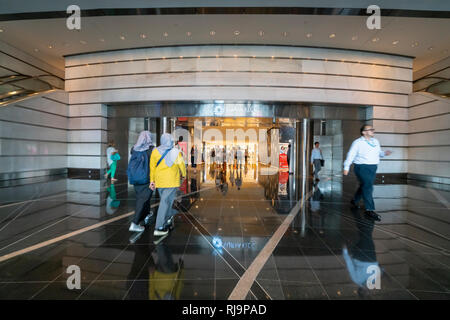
(139,163)
(365,153)
(232,179)
(112,164)
(315,199)
(361,259)
(138,290)
(111,201)
(316,156)
(239,179)
(166,281)
(166,163)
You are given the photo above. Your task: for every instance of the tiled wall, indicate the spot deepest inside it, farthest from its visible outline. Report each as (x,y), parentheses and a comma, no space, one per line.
(429,136)
(33,136)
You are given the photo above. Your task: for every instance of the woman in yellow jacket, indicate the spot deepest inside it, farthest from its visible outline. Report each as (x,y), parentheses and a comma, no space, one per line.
(166,163)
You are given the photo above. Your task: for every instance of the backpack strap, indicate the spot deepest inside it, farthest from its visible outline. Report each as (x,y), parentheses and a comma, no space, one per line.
(162,157)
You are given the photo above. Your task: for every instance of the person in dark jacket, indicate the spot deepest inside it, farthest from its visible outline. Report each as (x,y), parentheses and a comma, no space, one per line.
(143,191)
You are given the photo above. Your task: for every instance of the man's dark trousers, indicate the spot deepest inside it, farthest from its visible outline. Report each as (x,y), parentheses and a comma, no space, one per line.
(366,176)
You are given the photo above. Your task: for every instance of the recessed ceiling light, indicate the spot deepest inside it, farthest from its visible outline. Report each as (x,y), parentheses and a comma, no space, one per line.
(122,37)
(50,47)
(375,39)
(309,35)
(285,34)
(395,42)
(332,35)
(237,32)
(355,38)
(261,33)
(188,33)
(143,36)
(1,30)
(414,44)
(165,34)
(430,48)
(212,32)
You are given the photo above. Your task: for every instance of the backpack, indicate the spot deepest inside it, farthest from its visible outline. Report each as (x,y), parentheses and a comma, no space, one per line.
(138,170)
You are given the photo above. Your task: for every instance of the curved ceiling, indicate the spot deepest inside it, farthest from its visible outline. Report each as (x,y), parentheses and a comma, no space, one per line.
(426,39)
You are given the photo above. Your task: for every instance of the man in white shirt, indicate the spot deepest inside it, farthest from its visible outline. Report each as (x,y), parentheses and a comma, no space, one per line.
(316,156)
(365,153)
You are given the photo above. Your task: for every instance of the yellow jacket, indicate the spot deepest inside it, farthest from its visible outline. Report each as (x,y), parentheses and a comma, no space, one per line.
(164,176)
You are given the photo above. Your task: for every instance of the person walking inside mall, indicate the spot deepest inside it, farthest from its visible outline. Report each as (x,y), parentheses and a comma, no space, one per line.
(139,175)
(365,153)
(316,160)
(112,156)
(166,163)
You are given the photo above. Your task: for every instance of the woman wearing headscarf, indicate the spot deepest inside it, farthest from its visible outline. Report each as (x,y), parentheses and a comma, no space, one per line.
(166,163)
(139,176)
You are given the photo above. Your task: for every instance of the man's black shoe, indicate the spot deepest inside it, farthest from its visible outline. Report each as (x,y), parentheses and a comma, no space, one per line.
(372,215)
(354,204)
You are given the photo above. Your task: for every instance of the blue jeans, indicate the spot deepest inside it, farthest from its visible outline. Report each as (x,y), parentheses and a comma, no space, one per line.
(366,176)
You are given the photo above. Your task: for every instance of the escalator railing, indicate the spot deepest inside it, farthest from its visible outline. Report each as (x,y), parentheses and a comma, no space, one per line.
(17,87)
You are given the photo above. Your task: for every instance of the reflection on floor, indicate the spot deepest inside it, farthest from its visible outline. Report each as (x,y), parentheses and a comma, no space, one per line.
(228,216)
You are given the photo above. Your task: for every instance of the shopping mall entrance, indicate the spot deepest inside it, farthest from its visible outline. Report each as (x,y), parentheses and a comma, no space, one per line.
(250,150)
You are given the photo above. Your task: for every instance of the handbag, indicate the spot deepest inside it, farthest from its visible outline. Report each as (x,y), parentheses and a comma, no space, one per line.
(115,157)
(322,161)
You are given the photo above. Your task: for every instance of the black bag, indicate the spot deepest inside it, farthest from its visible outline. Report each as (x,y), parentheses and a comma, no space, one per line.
(322,162)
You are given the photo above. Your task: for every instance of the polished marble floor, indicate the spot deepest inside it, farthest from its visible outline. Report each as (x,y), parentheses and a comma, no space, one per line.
(228,216)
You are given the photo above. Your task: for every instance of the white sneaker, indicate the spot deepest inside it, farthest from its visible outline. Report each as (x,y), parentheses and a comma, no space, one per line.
(135,228)
(162,232)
